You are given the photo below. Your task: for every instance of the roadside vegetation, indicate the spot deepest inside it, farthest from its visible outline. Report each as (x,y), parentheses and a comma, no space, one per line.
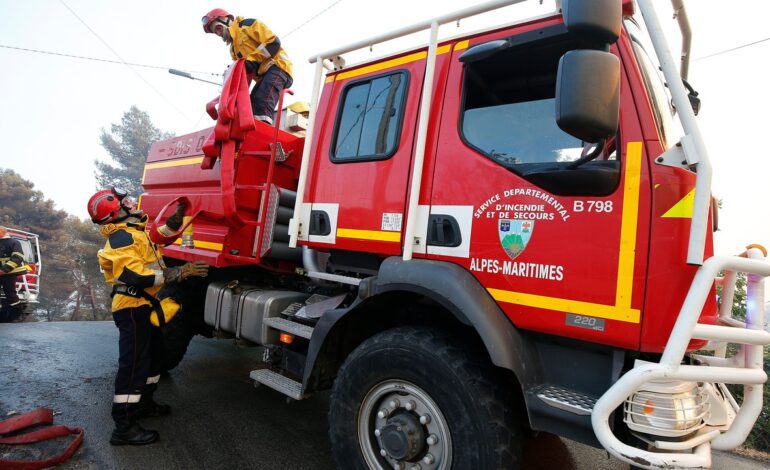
(759,439)
(72,288)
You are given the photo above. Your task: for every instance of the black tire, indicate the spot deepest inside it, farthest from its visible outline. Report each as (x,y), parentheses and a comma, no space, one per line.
(474,406)
(177,334)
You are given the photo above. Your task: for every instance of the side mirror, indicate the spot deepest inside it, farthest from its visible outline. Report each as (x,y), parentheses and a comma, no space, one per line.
(594,19)
(483,50)
(588,94)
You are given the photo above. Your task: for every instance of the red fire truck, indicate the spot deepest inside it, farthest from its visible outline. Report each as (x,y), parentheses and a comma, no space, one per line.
(28,284)
(505,231)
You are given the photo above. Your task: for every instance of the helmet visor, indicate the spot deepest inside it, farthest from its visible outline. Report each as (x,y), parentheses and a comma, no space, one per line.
(120,193)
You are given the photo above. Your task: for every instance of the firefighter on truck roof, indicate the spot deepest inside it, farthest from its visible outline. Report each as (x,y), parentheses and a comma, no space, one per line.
(133,265)
(11,266)
(266,61)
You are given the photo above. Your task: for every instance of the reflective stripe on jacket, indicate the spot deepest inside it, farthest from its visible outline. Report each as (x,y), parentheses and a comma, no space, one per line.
(12,256)
(130,258)
(253,41)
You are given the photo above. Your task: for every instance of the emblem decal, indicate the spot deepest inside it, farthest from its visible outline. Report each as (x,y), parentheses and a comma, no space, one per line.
(515,235)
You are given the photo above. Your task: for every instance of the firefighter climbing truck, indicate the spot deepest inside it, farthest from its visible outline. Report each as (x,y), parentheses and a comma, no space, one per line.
(505,231)
(28,283)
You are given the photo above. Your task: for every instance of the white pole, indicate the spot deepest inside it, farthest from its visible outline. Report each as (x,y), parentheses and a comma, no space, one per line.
(298,204)
(693,139)
(419,152)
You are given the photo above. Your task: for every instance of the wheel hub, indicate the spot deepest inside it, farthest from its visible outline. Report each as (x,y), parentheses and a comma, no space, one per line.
(400,426)
(403,436)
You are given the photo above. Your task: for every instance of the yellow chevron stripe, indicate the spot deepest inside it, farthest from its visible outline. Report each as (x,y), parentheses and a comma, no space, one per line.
(683,208)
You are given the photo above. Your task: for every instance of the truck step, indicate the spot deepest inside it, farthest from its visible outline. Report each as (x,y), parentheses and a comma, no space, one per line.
(290,388)
(282,324)
(567,400)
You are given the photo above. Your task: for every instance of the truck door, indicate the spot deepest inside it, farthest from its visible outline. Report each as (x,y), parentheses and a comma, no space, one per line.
(360,165)
(559,244)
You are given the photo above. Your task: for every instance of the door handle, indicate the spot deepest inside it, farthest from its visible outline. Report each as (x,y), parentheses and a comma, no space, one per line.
(443,230)
(319,223)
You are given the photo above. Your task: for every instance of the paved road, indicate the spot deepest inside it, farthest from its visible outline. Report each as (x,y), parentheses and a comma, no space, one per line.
(220,421)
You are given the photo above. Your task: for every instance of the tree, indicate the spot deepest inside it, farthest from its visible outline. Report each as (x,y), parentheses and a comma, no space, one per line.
(24,208)
(93,294)
(128,145)
(68,247)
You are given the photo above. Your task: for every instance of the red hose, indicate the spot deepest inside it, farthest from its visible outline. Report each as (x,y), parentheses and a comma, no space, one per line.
(37,417)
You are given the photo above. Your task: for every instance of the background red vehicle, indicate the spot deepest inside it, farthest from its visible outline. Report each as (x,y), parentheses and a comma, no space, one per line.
(497,232)
(28,284)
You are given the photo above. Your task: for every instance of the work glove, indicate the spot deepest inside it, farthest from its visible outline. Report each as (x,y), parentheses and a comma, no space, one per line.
(177,218)
(194,269)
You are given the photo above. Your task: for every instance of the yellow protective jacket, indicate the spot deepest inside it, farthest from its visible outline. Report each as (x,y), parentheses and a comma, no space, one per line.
(11,257)
(253,41)
(130,258)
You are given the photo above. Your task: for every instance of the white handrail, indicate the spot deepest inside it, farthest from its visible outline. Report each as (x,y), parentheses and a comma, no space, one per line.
(720,370)
(692,143)
(419,151)
(417,27)
(295,222)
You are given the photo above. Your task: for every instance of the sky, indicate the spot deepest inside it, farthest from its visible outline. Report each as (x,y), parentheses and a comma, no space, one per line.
(53,108)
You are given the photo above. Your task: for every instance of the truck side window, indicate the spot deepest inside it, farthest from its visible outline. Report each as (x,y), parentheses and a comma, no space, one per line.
(508,115)
(369,118)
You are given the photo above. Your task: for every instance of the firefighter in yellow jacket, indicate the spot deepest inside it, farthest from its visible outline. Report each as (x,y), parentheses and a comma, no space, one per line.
(134,266)
(266,61)
(11,267)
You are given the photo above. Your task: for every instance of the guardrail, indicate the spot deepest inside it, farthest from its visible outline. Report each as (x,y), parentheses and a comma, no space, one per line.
(745,368)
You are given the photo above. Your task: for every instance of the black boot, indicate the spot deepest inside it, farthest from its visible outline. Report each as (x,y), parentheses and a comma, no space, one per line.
(130,433)
(149,408)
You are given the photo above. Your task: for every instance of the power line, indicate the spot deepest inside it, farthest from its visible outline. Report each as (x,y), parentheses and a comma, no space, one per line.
(731,49)
(311,19)
(74,56)
(124,62)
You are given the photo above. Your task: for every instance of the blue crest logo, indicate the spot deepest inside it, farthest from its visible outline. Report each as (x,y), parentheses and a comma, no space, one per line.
(515,235)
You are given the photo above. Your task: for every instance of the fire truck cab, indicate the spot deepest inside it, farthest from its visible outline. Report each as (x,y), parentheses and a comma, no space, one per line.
(502,231)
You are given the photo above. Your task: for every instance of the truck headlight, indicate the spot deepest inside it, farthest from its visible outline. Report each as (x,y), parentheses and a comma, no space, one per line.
(665,408)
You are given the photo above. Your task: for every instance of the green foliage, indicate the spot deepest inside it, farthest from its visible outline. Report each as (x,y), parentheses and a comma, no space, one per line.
(128,145)
(24,208)
(739,297)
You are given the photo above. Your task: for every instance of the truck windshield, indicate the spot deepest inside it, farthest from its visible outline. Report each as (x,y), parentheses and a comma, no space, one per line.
(509,107)
(523,132)
(509,116)
(660,100)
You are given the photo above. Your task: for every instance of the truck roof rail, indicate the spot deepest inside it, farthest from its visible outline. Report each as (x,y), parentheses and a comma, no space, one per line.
(422,124)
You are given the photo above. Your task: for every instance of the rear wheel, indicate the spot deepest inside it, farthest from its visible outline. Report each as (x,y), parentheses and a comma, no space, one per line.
(409,398)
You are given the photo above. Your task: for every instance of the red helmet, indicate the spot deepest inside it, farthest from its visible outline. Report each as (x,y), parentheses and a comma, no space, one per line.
(105,205)
(215,14)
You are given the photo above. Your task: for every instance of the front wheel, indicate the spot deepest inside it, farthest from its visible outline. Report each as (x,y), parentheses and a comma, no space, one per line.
(414,398)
